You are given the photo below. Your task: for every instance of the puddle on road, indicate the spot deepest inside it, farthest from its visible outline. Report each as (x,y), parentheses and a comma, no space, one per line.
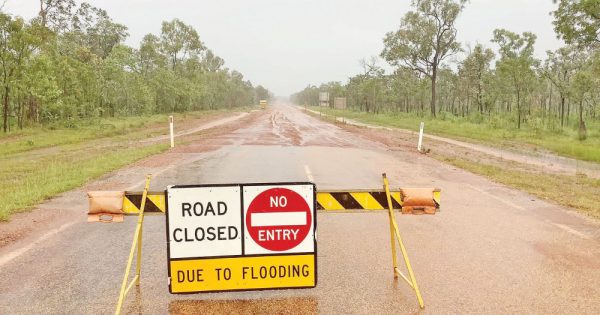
(295,305)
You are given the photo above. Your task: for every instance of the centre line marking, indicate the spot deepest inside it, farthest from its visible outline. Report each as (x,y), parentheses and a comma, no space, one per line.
(308,173)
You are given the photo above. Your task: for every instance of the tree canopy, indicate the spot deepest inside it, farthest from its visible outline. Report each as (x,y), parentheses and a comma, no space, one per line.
(71,62)
(506,90)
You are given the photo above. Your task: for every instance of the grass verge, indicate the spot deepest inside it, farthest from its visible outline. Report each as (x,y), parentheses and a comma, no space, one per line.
(562,142)
(59,175)
(77,131)
(39,163)
(577,192)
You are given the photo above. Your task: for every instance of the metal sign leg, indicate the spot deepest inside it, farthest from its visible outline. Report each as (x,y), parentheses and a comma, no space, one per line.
(137,242)
(395,233)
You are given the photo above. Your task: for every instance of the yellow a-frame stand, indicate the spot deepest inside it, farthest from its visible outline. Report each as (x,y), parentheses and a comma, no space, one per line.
(395,234)
(137,243)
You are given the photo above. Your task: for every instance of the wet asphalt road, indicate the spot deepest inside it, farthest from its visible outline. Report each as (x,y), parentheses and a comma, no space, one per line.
(490,250)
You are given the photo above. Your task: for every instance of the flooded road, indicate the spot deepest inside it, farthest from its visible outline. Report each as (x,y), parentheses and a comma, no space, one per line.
(491,249)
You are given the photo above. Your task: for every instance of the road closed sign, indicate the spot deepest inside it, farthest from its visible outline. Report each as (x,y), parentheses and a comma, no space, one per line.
(241,237)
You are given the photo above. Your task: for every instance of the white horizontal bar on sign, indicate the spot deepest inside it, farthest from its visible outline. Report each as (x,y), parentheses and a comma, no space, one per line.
(278,218)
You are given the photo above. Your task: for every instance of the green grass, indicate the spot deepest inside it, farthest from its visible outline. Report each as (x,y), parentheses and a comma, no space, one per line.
(498,132)
(72,132)
(30,184)
(41,162)
(577,192)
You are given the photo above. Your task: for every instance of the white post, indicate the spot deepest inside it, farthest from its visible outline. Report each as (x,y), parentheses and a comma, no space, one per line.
(171,131)
(420,145)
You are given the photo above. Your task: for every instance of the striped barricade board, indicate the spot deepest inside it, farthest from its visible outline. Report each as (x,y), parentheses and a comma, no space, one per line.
(335,200)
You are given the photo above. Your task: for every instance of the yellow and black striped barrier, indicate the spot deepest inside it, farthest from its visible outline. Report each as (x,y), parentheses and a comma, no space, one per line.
(155,202)
(422,200)
(356,200)
(342,200)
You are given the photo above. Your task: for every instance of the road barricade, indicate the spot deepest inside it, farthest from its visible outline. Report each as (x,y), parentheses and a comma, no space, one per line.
(407,200)
(111,206)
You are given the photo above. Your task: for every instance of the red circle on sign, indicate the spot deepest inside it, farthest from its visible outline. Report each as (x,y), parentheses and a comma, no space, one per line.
(278,219)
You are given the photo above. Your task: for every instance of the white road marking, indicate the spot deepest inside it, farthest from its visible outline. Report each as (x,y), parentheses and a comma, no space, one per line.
(571,230)
(278,218)
(16,253)
(516,206)
(504,201)
(308,173)
(154,175)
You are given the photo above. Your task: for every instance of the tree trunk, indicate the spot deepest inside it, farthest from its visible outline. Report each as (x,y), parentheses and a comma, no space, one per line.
(479,98)
(433,94)
(468,105)
(568,111)
(562,111)
(43,13)
(550,102)
(20,112)
(518,109)
(6,91)
(582,130)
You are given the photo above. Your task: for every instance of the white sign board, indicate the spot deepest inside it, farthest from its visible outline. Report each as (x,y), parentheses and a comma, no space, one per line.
(241,237)
(323,96)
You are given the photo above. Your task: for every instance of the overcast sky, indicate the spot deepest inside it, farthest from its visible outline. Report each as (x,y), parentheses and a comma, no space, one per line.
(287,44)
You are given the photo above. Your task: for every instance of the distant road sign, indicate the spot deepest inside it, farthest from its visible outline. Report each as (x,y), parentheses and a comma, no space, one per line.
(323,98)
(339,102)
(241,237)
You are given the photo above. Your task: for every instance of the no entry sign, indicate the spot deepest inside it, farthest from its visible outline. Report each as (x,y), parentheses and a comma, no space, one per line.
(278,219)
(241,237)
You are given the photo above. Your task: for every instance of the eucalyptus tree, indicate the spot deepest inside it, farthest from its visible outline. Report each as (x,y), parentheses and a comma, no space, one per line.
(578,22)
(179,41)
(212,62)
(426,37)
(475,69)
(405,85)
(16,45)
(261,93)
(71,62)
(560,67)
(583,83)
(516,63)
(56,13)
(96,30)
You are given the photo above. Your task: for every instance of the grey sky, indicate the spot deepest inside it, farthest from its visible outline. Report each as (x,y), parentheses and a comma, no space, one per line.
(285,45)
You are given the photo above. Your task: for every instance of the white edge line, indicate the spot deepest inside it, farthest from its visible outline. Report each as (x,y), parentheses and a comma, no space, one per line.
(509,203)
(308,173)
(16,253)
(506,202)
(571,230)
